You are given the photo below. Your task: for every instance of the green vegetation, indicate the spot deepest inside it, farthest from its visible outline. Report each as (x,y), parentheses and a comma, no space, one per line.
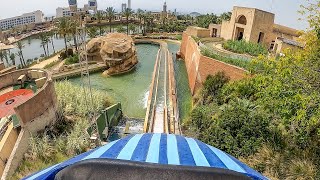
(244,47)
(271,121)
(205,20)
(68,137)
(50,65)
(72,60)
(277,109)
(237,62)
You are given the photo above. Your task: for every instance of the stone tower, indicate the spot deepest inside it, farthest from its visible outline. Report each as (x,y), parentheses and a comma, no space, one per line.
(165,7)
(129,4)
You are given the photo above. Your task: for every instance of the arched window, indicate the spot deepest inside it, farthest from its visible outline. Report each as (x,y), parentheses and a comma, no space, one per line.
(242,20)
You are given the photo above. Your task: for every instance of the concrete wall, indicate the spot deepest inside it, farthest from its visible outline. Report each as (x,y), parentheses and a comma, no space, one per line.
(199,66)
(6,145)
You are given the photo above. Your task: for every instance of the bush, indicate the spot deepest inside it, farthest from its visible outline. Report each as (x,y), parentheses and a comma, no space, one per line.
(232,128)
(212,86)
(72,60)
(244,47)
(237,62)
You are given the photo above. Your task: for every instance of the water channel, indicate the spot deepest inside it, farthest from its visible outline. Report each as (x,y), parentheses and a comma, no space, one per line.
(131,89)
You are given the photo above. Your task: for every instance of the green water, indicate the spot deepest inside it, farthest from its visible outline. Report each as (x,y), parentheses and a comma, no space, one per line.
(132,89)
(182,83)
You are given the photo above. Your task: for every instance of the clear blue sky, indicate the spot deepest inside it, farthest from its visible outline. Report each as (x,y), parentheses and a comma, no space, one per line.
(285,10)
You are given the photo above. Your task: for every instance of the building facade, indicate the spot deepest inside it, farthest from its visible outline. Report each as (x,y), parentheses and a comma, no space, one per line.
(257,26)
(66,11)
(123,7)
(24,19)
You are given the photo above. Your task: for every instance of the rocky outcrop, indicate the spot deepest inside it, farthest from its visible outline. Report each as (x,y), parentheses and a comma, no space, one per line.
(116,50)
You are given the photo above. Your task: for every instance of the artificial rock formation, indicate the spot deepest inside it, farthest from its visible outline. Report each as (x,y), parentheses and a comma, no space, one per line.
(117,50)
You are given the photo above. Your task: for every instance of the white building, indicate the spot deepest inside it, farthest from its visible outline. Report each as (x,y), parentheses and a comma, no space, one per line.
(66,12)
(24,19)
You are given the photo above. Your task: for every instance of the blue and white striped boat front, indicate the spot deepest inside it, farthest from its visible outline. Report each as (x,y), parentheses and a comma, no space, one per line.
(161,149)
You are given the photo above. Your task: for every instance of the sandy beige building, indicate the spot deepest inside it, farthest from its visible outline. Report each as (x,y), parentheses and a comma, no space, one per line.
(198,32)
(256,26)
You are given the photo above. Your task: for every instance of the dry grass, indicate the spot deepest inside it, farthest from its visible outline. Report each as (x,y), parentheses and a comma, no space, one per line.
(275,165)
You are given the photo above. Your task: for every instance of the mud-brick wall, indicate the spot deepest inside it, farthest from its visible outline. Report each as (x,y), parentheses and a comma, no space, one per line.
(199,66)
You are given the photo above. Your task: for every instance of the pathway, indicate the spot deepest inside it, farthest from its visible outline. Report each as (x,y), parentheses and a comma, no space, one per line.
(42,64)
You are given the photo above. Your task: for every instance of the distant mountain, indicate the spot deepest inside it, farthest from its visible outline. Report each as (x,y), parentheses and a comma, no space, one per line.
(194,14)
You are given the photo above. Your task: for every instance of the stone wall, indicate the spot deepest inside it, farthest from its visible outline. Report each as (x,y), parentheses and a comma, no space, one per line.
(199,66)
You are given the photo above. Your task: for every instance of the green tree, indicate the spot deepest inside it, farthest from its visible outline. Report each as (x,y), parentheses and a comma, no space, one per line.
(132,28)
(110,14)
(140,15)
(20,53)
(44,42)
(63,29)
(5,55)
(51,34)
(99,16)
(74,25)
(1,55)
(127,13)
(121,29)
(13,59)
(92,32)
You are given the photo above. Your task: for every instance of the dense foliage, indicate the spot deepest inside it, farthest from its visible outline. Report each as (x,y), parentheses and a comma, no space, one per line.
(205,20)
(244,47)
(272,119)
(67,137)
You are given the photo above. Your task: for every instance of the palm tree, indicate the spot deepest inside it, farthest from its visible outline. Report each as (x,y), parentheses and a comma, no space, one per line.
(127,13)
(13,58)
(44,41)
(63,28)
(74,24)
(1,55)
(132,28)
(92,32)
(5,55)
(110,15)
(51,35)
(99,17)
(120,29)
(20,53)
(140,14)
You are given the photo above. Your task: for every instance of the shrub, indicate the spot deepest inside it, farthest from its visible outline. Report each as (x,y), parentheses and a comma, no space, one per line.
(72,60)
(212,86)
(71,99)
(232,128)
(237,62)
(244,47)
